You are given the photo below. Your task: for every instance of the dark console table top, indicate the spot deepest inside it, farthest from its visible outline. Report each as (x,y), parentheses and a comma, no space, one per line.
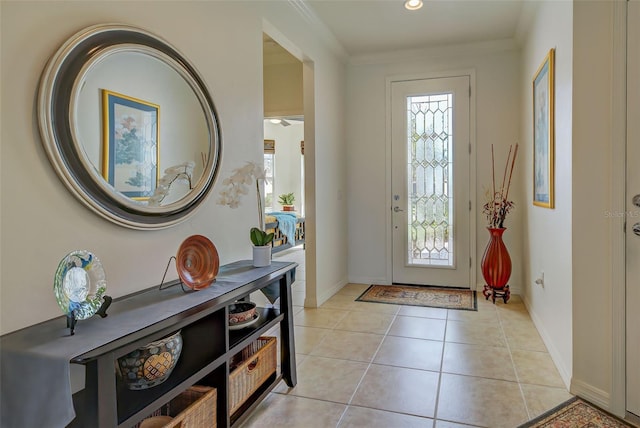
(34,361)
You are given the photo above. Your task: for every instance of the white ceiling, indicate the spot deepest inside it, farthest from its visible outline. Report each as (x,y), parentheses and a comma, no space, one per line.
(375,26)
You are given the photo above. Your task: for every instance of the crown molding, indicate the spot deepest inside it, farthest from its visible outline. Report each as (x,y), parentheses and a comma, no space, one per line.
(320,28)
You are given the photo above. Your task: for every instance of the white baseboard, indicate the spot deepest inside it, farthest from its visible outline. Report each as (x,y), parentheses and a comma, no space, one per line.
(590,393)
(565,373)
(326,294)
(368,280)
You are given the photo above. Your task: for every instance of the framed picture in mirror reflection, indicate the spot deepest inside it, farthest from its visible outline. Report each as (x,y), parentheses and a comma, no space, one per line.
(131,144)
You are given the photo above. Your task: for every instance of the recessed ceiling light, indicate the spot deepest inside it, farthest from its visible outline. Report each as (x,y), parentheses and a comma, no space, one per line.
(413,4)
(275,121)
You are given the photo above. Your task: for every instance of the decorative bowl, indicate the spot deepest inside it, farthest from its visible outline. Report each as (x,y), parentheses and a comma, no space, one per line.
(152,364)
(240,312)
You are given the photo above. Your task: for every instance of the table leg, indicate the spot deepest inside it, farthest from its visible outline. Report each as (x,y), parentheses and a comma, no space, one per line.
(287,344)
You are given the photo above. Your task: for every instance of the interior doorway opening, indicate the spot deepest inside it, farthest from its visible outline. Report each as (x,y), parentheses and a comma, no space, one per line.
(284,156)
(284,164)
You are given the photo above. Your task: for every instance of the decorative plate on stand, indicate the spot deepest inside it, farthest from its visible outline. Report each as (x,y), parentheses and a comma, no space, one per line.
(80,284)
(197,262)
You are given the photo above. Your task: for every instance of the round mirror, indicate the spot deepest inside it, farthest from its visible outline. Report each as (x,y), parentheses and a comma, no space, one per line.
(129,126)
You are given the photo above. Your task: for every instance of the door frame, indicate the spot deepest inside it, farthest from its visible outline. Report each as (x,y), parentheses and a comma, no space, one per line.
(618,398)
(309,112)
(471,73)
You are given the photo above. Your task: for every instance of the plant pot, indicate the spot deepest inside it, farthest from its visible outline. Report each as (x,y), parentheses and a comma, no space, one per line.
(496,262)
(262,255)
(288,208)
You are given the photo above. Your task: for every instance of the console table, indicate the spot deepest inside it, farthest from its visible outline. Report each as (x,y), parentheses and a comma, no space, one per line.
(35,387)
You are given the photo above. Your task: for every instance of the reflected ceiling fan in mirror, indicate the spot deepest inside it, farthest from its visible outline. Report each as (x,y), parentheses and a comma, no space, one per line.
(282,122)
(285,120)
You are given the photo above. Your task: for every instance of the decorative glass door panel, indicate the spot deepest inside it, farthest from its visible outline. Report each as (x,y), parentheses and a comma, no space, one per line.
(430,181)
(430,171)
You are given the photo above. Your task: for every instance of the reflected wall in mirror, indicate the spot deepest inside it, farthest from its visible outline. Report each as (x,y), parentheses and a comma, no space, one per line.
(129,126)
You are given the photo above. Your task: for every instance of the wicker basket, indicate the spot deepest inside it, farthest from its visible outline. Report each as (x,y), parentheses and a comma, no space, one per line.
(193,408)
(257,362)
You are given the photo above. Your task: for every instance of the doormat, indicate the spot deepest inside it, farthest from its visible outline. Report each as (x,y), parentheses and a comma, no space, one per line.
(415,295)
(576,413)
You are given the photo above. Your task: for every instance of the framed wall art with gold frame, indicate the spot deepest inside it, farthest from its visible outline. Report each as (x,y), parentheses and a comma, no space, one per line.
(543,133)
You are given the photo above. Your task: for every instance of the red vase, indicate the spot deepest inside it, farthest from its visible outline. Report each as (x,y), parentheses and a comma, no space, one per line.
(496,262)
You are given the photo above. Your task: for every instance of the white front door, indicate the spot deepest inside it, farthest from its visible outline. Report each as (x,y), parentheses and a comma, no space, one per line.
(633,209)
(430,183)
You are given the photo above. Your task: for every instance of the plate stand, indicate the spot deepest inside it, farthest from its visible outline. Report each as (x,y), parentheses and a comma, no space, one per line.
(71,322)
(164,286)
(102,311)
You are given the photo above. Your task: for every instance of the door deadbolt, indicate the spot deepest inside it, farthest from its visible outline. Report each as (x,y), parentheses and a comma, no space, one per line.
(636,200)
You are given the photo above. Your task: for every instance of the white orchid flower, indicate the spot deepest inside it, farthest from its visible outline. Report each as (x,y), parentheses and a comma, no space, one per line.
(182,171)
(167,179)
(175,169)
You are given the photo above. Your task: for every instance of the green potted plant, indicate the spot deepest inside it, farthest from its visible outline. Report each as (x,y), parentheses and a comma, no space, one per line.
(261,241)
(234,187)
(287,200)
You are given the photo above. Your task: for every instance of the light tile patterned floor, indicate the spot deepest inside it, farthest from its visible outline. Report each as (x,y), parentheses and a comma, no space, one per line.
(377,365)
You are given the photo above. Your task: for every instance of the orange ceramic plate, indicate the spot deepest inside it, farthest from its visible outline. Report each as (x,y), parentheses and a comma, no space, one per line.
(197,262)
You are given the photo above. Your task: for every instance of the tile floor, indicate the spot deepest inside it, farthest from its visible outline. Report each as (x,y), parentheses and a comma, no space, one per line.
(378,365)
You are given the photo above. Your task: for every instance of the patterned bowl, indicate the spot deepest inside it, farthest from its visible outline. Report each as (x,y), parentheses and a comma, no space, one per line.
(152,364)
(241,312)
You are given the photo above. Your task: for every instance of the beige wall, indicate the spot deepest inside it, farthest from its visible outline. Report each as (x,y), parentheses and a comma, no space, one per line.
(575,309)
(547,232)
(592,177)
(41,221)
(283,89)
(497,122)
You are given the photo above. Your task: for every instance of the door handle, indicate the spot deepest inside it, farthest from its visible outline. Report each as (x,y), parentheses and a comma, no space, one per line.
(397,209)
(636,229)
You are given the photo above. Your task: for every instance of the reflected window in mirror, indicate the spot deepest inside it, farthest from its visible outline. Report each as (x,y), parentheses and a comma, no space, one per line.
(269,173)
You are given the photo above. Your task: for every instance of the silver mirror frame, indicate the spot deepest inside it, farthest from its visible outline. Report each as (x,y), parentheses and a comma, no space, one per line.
(57,96)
